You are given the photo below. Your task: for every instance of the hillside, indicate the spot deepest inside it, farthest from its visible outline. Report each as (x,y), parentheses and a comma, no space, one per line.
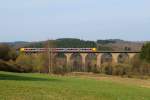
(120,45)
(103,45)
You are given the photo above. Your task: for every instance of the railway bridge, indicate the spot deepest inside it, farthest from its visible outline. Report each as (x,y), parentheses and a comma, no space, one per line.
(83,54)
(114,56)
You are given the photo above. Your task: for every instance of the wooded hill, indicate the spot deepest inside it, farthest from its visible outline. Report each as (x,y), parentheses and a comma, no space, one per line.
(103,45)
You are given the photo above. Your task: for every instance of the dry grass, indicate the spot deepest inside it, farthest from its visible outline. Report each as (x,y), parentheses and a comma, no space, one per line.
(117,79)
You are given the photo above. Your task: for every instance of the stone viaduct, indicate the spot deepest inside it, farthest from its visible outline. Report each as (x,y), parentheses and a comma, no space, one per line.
(99,55)
(83,54)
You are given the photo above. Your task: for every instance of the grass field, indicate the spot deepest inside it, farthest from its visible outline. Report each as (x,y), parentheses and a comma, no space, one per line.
(16,86)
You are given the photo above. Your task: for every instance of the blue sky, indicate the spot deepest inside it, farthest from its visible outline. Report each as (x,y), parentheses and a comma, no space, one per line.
(34,20)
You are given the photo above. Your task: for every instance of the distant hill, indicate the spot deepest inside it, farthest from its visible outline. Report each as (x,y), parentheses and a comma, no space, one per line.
(119,45)
(103,45)
(17,44)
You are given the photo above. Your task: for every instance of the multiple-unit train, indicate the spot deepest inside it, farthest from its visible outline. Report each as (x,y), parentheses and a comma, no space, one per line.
(58,49)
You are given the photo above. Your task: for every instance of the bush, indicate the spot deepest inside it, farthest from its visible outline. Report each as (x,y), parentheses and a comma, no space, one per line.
(106,68)
(116,69)
(7,53)
(33,63)
(9,66)
(26,62)
(95,69)
(136,64)
(121,69)
(140,67)
(145,52)
(145,68)
(38,63)
(60,70)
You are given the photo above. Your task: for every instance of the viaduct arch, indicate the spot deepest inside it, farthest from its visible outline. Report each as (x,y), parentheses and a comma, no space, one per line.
(115,56)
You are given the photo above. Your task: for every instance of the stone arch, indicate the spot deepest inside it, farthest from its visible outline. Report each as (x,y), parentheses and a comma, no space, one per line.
(132,55)
(91,61)
(76,62)
(106,58)
(123,57)
(59,59)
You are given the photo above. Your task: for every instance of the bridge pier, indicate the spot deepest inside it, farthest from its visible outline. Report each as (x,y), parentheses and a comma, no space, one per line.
(115,57)
(68,58)
(131,55)
(98,60)
(83,56)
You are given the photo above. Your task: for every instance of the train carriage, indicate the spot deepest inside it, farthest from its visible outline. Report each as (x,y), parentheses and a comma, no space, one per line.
(58,49)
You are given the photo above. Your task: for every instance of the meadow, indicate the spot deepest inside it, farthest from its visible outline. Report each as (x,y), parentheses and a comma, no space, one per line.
(29,86)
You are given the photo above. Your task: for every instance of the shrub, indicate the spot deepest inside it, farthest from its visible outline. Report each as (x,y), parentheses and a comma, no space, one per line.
(9,66)
(140,67)
(7,53)
(121,69)
(145,68)
(33,63)
(136,64)
(26,62)
(106,68)
(95,69)
(116,69)
(38,63)
(145,52)
(60,70)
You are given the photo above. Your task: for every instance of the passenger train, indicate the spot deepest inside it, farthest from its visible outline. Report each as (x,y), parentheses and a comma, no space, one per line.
(58,49)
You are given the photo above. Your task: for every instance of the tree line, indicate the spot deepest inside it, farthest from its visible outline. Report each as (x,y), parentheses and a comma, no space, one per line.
(78,43)
(65,43)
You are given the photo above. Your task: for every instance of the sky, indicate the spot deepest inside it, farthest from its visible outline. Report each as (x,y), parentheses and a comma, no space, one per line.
(37,20)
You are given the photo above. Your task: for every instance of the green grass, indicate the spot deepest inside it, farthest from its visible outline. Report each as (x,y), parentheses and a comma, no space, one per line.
(16,86)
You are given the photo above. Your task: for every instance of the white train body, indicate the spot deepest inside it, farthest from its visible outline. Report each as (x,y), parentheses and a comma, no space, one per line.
(58,49)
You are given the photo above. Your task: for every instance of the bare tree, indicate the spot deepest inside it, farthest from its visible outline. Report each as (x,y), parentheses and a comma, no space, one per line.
(50,55)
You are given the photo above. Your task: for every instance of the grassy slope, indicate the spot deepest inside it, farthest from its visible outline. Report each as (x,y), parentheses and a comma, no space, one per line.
(15,86)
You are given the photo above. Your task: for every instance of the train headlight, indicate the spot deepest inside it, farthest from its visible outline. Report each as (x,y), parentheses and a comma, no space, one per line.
(22,49)
(94,49)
